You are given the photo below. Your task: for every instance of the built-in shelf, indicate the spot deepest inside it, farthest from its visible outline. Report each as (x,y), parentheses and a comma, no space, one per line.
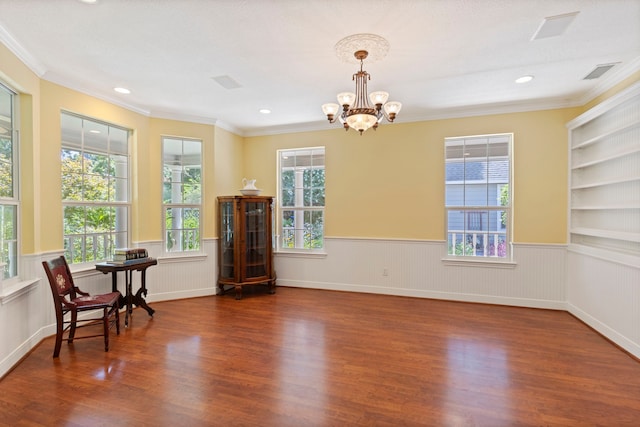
(609,157)
(608,234)
(631,205)
(606,182)
(604,165)
(607,134)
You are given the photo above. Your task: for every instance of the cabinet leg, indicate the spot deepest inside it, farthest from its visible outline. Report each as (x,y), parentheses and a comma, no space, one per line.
(238,292)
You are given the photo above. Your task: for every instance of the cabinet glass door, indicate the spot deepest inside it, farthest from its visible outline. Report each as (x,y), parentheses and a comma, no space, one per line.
(256,239)
(226,237)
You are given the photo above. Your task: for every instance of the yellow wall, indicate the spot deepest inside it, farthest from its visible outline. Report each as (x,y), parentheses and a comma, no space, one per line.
(14,73)
(222,158)
(387,183)
(56,98)
(390,182)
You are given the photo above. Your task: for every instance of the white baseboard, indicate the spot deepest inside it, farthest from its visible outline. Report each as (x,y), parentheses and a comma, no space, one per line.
(609,333)
(449,296)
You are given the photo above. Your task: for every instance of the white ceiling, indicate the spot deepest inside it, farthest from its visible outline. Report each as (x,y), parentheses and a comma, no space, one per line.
(447,58)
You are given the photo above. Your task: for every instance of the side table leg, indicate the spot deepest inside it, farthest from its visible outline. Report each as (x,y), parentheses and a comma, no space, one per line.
(129,310)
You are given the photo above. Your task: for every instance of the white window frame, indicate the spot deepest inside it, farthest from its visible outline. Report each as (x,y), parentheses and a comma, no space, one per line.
(485,244)
(176,184)
(12,272)
(119,236)
(299,209)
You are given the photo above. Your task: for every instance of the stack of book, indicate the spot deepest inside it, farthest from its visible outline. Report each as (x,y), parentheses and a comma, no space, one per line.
(126,256)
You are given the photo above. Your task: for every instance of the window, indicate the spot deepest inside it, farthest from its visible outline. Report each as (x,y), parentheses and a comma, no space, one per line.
(301,203)
(8,184)
(478,195)
(181,193)
(95,188)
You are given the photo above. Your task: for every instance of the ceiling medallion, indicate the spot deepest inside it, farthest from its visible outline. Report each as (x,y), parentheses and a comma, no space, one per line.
(361,110)
(377,47)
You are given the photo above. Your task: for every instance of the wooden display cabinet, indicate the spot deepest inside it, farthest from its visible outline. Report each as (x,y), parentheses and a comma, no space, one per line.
(245,249)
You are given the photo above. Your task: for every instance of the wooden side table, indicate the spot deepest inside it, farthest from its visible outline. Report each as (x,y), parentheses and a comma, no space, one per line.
(129,298)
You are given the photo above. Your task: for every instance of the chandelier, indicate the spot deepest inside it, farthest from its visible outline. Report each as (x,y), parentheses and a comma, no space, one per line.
(359,110)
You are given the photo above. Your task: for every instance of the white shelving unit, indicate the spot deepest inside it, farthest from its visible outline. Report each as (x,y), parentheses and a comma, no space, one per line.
(604,179)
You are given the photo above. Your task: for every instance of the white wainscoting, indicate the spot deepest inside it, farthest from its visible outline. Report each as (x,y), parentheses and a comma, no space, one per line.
(606,296)
(415,268)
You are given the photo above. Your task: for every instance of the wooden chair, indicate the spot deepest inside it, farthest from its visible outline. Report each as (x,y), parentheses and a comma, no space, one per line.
(68,299)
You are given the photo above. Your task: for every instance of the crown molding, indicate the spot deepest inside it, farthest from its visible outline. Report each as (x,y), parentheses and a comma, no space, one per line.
(79,87)
(616,76)
(23,55)
(170,115)
(452,113)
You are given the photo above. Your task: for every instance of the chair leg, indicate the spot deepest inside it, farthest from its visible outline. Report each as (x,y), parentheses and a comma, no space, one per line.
(105,322)
(59,332)
(117,310)
(72,326)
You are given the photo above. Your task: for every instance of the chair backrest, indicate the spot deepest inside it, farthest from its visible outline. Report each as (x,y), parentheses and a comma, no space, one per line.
(60,278)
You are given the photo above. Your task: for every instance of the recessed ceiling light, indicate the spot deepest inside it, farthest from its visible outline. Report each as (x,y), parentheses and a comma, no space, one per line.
(265,111)
(94,131)
(122,90)
(524,79)
(89,1)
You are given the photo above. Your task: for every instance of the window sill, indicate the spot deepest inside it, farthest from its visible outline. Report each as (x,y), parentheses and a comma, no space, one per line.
(300,254)
(182,256)
(479,262)
(11,292)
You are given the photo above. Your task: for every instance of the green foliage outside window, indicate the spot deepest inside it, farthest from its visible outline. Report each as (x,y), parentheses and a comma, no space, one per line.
(88,229)
(6,167)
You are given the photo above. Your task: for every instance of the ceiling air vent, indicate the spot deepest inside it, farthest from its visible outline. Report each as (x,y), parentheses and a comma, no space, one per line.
(599,71)
(553,26)
(227,82)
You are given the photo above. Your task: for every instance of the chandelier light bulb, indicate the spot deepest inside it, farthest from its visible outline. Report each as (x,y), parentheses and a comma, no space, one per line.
(378,97)
(346,98)
(392,108)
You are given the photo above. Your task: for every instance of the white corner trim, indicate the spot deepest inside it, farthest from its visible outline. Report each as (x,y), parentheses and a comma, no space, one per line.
(609,333)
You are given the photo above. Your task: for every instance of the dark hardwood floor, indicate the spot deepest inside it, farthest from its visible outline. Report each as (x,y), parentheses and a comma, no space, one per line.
(307,357)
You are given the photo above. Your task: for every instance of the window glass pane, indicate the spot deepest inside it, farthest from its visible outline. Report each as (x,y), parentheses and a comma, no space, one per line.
(119,190)
(183,229)
(313,225)
(6,111)
(9,172)
(6,167)
(71,128)
(301,186)
(7,154)
(95,171)
(9,240)
(119,166)
(182,185)
(95,136)
(119,141)
(477,175)
(95,188)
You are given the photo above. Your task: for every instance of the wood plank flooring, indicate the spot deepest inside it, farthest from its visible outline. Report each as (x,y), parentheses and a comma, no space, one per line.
(307,357)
